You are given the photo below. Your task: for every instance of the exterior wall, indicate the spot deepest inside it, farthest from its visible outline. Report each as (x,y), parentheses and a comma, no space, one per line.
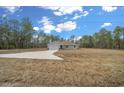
(57,46)
(53,46)
(69,47)
(77,46)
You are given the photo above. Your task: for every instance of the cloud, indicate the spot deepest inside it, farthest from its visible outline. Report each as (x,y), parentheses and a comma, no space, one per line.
(66,26)
(36,28)
(4,15)
(77,38)
(76,17)
(11,9)
(50,7)
(91,9)
(109,8)
(47,25)
(85,13)
(59,11)
(106,24)
(48,28)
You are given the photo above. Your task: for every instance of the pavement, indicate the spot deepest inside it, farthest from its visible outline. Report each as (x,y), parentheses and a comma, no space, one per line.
(33,55)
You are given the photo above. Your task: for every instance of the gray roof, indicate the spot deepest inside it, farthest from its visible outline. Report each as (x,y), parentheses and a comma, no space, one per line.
(63,43)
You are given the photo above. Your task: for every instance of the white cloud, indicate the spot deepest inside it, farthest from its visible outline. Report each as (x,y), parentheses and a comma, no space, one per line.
(109,8)
(91,9)
(59,11)
(106,24)
(4,15)
(47,25)
(50,7)
(48,28)
(77,38)
(66,26)
(85,13)
(76,17)
(11,9)
(36,28)
(70,10)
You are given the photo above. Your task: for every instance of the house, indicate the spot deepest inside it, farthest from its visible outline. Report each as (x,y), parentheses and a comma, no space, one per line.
(62,45)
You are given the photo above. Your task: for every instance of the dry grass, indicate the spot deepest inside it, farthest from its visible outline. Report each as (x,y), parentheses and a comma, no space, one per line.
(83,67)
(8,51)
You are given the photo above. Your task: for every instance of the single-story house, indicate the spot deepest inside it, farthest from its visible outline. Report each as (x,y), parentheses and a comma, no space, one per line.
(62,45)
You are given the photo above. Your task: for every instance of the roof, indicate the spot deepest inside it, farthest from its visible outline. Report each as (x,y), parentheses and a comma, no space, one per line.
(67,43)
(63,43)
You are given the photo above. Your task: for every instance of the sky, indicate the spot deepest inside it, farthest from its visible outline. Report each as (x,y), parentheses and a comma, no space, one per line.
(67,21)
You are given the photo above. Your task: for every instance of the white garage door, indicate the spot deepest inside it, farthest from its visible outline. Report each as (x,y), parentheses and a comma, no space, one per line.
(53,47)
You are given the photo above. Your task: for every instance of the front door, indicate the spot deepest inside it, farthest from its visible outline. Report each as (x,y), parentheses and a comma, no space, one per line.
(60,46)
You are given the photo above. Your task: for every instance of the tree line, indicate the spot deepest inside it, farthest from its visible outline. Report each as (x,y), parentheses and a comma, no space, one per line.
(104,39)
(20,34)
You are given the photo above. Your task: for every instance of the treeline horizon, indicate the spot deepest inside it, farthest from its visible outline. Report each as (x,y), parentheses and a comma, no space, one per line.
(104,39)
(20,34)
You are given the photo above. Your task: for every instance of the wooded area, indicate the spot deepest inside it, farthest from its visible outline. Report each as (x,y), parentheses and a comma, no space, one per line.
(20,34)
(104,39)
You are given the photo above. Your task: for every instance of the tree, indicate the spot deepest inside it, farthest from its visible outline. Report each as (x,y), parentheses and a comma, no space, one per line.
(103,39)
(117,34)
(15,30)
(4,33)
(27,31)
(122,41)
(87,41)
(72,38)
(20,34)
(91,42)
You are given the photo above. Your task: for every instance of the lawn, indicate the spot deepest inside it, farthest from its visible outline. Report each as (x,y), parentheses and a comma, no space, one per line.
(81,67)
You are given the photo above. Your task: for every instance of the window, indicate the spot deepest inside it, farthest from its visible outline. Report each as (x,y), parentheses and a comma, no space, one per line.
(66,46)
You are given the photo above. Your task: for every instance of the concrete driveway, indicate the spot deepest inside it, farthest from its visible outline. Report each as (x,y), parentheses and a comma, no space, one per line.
(33,55)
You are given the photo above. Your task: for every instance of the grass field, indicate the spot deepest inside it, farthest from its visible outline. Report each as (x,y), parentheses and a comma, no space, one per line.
(5,51)
(82,67)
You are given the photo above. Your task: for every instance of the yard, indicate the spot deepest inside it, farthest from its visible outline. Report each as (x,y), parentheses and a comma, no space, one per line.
(82,67)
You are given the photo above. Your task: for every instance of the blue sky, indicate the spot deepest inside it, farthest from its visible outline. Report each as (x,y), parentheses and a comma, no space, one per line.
(67,21)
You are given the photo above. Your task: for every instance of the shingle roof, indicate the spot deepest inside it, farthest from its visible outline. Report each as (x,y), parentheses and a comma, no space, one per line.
(66,43)
(63,43)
